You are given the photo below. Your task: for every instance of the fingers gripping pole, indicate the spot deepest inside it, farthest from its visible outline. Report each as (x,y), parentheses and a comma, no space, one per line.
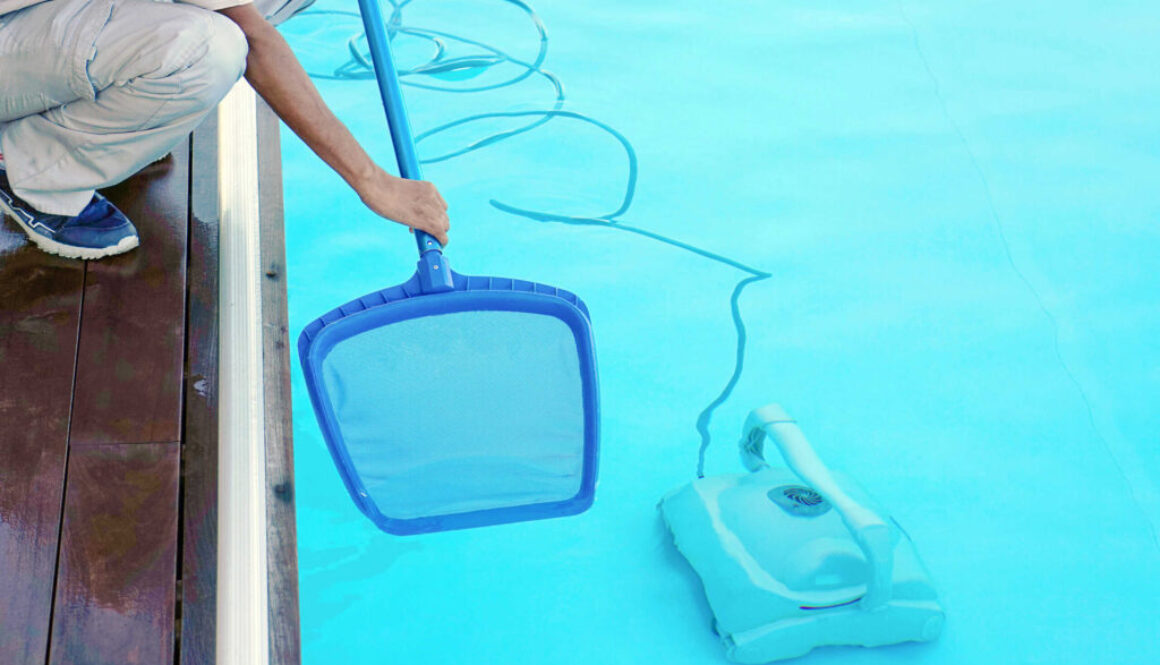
(433,269)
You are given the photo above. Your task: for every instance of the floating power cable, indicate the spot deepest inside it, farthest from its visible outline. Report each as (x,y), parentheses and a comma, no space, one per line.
(441,66)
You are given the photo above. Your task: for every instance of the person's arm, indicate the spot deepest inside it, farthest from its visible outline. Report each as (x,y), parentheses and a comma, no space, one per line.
(276,75)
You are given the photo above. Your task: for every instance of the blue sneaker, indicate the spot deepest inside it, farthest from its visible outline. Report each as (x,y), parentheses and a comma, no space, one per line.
(100,230)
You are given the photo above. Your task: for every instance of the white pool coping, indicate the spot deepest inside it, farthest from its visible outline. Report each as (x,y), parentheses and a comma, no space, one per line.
(242,597)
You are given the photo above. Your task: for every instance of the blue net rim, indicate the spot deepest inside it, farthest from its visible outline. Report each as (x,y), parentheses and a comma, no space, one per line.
(412,289)
(471,293)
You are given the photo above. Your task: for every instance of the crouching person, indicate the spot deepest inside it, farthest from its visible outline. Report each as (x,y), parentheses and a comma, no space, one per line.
(91,91)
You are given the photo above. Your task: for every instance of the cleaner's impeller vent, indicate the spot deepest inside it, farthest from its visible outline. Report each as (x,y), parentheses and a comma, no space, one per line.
(799,500)
(803,495)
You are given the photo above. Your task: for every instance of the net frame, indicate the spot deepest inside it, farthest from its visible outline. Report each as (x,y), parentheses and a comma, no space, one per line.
(470,293)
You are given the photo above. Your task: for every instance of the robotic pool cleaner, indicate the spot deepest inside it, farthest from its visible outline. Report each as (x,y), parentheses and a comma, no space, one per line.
(796,558)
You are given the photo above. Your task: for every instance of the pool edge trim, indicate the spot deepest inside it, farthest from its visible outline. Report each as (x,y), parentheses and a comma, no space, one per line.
(242,603)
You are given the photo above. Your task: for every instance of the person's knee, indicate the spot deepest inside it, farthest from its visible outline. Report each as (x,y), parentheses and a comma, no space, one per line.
(189,50)
(222,62)
(204,56)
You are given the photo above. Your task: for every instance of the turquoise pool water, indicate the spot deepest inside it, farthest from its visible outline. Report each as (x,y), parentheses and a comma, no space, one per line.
(958,214)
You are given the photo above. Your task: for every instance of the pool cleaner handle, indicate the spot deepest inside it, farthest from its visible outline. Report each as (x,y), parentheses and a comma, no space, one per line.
(868,528)
(433,269)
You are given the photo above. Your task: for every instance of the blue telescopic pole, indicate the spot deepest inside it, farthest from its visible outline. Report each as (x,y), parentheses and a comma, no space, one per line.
(389,90)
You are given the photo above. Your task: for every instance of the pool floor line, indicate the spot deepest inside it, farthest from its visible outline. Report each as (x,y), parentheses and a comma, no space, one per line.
(1005,245)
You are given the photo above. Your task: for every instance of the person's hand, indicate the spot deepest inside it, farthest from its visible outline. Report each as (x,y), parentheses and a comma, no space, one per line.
(414,203)
(274,71)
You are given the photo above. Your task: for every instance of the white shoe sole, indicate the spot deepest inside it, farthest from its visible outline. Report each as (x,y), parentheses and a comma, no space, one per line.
(51,246)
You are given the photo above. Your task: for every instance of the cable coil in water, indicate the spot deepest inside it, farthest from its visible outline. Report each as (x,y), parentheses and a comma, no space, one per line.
(442,66)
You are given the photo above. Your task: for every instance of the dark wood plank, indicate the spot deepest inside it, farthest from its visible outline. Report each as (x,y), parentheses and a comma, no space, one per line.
(281,531)
(198,622)
(40,302)
(128,380)
(115,584)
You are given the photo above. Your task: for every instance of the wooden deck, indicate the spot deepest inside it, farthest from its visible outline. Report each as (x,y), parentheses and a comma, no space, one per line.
(108,432)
